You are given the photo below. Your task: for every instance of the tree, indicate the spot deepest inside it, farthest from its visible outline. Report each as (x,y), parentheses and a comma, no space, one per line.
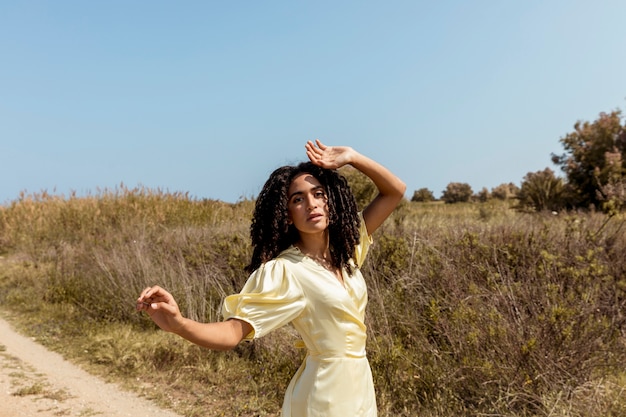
(590,159)
(457,192)
(483,195)
(423,195)
(505,191)
(541,190)
(613,193)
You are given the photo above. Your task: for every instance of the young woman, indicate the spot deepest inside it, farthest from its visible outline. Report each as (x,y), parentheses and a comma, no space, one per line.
(308,243)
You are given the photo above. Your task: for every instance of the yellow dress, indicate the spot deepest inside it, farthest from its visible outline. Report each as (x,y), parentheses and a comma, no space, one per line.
(335,379)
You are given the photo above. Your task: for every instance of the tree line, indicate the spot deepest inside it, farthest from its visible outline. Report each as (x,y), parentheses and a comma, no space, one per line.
(593,164)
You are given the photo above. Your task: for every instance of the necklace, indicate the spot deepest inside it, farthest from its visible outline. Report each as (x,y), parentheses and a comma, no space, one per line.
(325,263)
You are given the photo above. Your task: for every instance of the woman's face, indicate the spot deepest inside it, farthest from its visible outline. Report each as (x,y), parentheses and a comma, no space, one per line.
(308,204)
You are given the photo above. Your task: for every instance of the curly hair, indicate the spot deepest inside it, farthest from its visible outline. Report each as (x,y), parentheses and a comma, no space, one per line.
(271,231)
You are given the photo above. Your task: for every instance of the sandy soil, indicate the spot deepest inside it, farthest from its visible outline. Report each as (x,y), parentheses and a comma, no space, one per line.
(35,382)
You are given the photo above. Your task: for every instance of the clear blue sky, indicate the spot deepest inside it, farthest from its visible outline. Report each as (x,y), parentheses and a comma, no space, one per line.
(209,97)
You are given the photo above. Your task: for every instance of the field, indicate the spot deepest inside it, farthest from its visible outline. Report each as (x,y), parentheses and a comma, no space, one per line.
(475,309)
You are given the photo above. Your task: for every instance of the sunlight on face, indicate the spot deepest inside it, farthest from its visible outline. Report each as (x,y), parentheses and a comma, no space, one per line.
(308,204)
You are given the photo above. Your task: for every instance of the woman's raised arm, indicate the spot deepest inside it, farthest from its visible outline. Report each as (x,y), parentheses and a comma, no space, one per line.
(391,189)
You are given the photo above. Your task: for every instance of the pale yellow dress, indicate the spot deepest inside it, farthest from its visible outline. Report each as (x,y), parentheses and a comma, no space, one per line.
(335,379)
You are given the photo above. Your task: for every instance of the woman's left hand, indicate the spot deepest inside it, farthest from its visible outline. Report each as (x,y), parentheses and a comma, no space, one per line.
(161,307)
(330,157)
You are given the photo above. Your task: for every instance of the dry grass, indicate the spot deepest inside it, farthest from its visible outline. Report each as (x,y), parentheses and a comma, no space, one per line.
(474,309)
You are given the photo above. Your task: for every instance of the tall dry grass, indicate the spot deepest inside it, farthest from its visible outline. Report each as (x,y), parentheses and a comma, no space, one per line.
(498,316)
(474,309)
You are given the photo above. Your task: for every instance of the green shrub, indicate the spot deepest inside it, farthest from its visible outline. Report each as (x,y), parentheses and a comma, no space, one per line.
(457,192)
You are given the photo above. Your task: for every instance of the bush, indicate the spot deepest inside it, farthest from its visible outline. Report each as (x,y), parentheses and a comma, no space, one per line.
(483,195)
(362,187)
(542,190)
(505,191)
(457,192)
(423,195)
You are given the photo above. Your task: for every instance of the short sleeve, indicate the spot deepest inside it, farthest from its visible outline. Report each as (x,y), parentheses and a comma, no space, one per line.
(365,241)
(270,299)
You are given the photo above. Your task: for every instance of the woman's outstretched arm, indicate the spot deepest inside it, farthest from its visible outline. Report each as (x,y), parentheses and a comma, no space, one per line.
(391,189)
(164,311)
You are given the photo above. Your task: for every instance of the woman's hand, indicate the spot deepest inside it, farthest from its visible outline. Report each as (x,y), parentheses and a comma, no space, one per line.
(390,188)
(161,307)
(330,157)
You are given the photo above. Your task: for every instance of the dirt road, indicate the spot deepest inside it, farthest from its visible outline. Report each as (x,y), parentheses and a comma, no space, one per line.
(35,382)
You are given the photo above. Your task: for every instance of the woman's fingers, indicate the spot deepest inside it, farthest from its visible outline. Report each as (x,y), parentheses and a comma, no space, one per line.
(316,153)
(310,150)
(150,296)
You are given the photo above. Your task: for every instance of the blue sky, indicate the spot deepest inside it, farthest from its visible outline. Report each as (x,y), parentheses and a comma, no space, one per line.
(209,97)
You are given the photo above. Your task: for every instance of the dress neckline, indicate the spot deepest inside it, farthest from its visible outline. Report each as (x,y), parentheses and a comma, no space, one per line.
(316,263)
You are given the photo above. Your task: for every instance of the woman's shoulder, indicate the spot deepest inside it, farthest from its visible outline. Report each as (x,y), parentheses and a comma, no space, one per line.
(289,256)
(278,275)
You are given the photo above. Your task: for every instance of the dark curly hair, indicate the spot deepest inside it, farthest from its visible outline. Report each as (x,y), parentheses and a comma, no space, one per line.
(271,232)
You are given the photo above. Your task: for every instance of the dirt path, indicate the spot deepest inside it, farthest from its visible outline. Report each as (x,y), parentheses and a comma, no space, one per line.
(35,382)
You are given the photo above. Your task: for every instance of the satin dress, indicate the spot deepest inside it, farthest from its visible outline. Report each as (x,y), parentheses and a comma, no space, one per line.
(335,378)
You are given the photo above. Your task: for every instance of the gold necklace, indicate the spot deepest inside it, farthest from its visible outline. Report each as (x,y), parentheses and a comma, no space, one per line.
(320,260)
(326,264)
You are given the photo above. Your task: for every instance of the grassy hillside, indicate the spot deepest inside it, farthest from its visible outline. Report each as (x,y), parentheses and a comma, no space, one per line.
(474,309)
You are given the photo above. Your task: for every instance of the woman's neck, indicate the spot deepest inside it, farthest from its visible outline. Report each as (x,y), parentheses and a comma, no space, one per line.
(316,246)
(318,249)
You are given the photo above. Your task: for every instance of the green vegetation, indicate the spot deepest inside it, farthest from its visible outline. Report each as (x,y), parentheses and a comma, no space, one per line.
(423,195)
(541,191)
(594,168)
(457,192)
(475,308)
(594,162)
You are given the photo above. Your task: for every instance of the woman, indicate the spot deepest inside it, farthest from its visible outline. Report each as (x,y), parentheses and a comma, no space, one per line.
(308,244)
